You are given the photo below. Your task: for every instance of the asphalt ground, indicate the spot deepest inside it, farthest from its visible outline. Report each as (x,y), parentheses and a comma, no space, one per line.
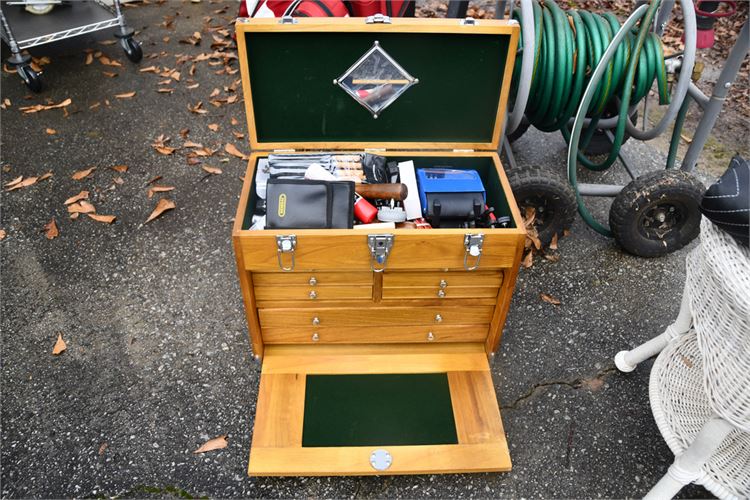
(157,358)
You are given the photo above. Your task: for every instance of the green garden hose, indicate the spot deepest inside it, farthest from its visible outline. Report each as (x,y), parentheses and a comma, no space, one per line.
(569,46)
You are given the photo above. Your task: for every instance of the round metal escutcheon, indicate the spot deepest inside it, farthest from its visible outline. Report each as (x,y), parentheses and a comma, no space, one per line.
(380,459)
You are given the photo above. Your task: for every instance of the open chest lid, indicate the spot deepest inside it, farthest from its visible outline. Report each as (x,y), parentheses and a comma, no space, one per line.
(351,83)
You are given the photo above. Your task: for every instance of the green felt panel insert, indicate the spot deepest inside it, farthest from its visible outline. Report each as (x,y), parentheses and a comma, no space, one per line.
(295,100)
(486,168)
(378,410)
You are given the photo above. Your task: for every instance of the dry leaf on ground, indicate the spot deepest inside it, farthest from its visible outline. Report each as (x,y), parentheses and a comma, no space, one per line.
(60,345)
(82,174)
(107,219)
(51,131)
(198,108)
(216,443)
(158,189)
(214,127)
(83,195)
(14,181)
(44,177)
(232,150)
(549,299)
(126,95)
(120,168)
(211,170)
(110,74)
(553,243)
(50,230)
(83,207)
(3,234)
(42,107)
(22,184)
(161,207)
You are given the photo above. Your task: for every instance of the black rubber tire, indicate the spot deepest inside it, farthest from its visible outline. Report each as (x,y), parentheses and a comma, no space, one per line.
(672,194)
(520,130)
(546,189)
(31,78)
(132,49)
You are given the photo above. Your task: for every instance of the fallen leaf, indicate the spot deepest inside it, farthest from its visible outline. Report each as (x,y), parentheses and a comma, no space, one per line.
(198,108)
(103,448)
(528,260)
(44,177)
(158,189)
(2,234)
(119,180)
(60,346)
(165,150)
(107,42)
(82,174)
(592,384)
(552,257)
(109,62)
(161,207)
(553,243)
(216,443)
(50,230)
(184,132)
(120,168)
(126,95)
(107,219)
(232,150)
(24,183)
(211,170)
(165,90)
(89,58)
(110,74)
(193,86)
(14,181)
(234,121)
(191,144)
(149,69)
(549,299)
(83,195)
(41,107)
(154,179)
(74,215)
(238,135)
(215,92)
(82,206)
(51,131)
(214,127)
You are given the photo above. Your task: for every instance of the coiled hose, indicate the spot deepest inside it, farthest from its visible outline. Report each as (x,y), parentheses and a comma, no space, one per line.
(568,46)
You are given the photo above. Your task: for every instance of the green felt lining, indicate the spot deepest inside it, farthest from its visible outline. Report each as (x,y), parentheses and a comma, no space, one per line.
(378,410)
(484,165)
(295,100)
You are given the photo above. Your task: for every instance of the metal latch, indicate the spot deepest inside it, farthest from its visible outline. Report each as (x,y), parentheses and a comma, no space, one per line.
(380,247)
(288,20)
(469,21)
(473,246)
(378,19)
(286,244)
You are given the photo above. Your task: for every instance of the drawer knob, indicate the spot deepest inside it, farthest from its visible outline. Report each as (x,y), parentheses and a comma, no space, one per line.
(313,294)
(313,281)
(443,283)
(438,318)
(430,337)
(316,321)
(315,337)
(441,293)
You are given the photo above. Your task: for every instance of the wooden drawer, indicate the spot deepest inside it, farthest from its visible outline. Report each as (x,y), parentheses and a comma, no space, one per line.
(451,292)
(436,278)
(312,278)
(376,334)
(373,316)
(313,293)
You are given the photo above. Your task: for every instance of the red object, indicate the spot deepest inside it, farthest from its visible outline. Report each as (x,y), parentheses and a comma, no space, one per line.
(334,8)
(364,211)
(392,8)
(422,223)
(705,20)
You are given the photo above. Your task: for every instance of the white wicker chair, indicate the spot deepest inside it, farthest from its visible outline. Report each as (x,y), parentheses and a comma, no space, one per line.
(700,383)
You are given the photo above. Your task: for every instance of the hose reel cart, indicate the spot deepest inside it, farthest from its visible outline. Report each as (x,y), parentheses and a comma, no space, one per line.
(57,20)
(586,75)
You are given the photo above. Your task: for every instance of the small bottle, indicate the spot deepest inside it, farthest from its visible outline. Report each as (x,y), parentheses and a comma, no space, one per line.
(364,211)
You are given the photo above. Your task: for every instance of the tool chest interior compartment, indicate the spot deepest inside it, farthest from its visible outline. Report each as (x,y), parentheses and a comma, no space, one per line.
(375,342)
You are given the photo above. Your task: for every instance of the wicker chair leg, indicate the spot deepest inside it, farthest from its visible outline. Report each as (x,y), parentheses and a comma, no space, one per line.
(687,466)
(626,361)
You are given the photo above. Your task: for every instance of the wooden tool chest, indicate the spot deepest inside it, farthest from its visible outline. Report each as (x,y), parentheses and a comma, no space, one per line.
(375,344)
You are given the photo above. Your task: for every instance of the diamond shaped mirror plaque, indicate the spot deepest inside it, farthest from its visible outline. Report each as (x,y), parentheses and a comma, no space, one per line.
(376,80)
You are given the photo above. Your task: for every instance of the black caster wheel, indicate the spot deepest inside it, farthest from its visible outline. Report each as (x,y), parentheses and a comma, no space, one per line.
(31,78)
(657,213)
(549,194)
(132,49)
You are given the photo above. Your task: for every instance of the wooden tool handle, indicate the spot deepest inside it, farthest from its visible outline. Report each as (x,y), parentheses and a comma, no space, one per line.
(394,191)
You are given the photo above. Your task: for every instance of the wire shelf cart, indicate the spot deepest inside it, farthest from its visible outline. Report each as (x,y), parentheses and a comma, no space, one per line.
(67,20)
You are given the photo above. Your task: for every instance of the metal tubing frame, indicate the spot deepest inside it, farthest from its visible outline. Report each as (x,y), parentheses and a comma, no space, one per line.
(712,106)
